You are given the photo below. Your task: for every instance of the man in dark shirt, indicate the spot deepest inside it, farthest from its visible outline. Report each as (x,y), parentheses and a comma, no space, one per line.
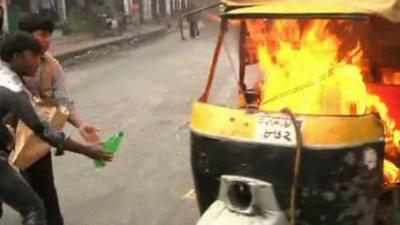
(193,19)
(50,83)
(21,57)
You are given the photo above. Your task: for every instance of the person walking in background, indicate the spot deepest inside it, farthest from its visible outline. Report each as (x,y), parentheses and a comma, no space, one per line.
(135,15)
(193,19)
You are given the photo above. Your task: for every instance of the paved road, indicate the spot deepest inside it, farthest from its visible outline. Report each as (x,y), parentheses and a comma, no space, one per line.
(146,92)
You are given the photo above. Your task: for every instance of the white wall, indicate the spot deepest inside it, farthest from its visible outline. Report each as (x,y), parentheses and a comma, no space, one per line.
(147,9)
(168,5)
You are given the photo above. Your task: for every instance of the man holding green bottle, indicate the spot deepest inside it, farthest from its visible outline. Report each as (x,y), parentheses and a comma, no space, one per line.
(111,146)
(49,82)
(20,57)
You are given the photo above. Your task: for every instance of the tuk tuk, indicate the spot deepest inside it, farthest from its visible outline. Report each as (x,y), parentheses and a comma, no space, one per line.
(313,138)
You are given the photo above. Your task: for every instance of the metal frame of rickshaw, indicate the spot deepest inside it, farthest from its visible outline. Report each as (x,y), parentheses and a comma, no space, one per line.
(242,64)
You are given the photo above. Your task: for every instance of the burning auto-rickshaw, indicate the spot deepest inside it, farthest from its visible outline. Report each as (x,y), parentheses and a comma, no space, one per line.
(315,139)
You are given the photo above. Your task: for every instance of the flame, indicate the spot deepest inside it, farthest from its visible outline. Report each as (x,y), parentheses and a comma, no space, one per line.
(303,71)
(390,77)
(391,172)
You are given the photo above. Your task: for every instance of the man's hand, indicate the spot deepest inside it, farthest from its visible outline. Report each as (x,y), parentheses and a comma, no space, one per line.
(97,152)
(89,133)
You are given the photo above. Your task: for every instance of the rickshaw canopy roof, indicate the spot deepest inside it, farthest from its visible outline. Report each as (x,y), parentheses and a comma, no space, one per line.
(389,9)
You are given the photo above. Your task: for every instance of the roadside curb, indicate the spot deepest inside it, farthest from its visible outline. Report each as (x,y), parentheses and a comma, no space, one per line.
(141,38)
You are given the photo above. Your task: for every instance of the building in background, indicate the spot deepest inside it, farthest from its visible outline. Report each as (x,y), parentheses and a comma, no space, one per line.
(60,9)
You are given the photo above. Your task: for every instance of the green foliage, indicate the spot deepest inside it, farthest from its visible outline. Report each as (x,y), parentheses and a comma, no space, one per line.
(81,21)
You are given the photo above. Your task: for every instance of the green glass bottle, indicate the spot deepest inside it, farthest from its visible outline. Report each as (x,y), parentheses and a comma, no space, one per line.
(112,146)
